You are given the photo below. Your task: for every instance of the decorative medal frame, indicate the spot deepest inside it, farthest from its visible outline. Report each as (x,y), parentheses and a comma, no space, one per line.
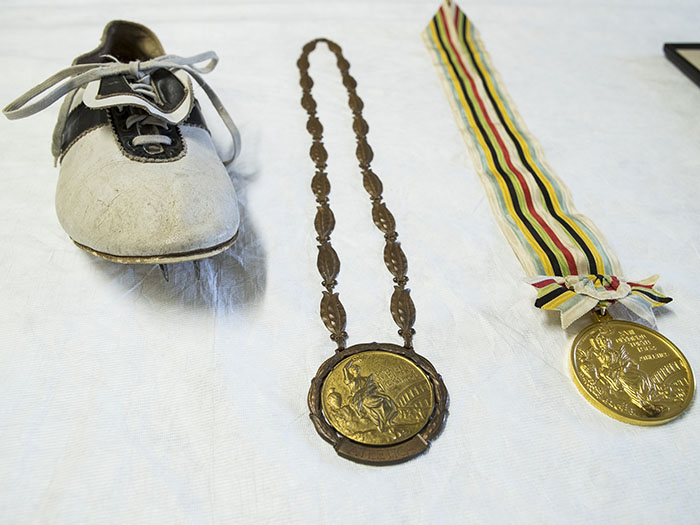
(401,447)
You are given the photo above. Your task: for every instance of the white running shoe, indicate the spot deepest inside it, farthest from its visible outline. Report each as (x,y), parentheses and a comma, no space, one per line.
(140,179)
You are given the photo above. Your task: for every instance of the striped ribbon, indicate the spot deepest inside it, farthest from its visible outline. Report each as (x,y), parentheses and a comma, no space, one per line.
(563,253)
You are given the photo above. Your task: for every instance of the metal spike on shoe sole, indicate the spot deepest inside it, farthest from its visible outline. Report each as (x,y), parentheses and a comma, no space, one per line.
(164,271)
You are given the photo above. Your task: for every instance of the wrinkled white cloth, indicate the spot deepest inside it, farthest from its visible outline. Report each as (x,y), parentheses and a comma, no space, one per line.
(128,399)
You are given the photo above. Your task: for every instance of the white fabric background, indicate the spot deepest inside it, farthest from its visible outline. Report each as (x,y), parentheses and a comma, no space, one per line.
(124,398)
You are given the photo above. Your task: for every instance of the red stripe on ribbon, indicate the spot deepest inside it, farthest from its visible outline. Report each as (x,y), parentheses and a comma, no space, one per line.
(526,191)
(647,286)
(546,282)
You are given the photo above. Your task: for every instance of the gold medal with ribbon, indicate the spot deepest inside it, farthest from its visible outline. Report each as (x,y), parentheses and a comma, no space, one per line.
(626,369)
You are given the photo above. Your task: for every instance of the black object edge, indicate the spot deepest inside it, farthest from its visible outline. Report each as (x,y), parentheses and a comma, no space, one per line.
(670,50)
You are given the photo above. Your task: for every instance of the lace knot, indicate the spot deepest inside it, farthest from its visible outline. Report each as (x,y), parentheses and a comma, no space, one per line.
(135,69)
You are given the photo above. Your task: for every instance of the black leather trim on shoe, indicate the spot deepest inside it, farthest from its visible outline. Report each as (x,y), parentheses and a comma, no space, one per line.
(195,118)
(83,119)
(170,91)
(114,85)
(150,152)
(79,121)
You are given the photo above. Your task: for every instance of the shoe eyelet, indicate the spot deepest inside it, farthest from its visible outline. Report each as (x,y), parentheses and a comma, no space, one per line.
(153,149)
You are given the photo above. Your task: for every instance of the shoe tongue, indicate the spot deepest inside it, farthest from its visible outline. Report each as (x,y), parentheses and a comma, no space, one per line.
(173,101)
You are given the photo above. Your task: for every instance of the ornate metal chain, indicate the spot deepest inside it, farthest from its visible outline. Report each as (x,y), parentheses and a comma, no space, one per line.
(332,312)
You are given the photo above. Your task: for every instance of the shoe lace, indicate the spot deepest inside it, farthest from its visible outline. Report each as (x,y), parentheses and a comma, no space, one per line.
(152,143)
(71,79)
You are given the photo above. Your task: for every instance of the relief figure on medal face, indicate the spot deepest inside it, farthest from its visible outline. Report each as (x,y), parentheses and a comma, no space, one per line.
(610,368)
(368,398)
(366,411)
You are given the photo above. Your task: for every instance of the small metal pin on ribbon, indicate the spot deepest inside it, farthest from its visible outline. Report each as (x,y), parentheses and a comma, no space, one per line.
(575,295)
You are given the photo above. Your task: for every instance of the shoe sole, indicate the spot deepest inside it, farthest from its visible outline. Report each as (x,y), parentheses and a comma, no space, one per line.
(166,258)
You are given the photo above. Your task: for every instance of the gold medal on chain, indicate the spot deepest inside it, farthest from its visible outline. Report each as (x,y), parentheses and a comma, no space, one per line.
(376,403)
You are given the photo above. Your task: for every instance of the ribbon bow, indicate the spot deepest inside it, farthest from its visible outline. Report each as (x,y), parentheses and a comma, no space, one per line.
(575,295)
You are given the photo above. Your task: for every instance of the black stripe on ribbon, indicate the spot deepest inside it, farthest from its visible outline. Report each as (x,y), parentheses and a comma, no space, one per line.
(654,297)
(593,267)
(541,301)
(509,183)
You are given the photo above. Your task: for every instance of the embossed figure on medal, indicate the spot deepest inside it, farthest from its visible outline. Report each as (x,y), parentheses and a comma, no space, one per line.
(384,419)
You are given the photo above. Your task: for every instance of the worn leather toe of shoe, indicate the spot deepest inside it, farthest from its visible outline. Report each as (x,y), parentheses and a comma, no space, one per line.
(130,211)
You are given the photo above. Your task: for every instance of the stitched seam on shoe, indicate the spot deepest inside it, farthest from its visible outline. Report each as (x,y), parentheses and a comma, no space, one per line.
(138,259)
(76,139)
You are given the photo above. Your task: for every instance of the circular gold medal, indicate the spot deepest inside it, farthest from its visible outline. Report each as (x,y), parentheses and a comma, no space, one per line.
(378,403)
(377,398)
(631,373)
